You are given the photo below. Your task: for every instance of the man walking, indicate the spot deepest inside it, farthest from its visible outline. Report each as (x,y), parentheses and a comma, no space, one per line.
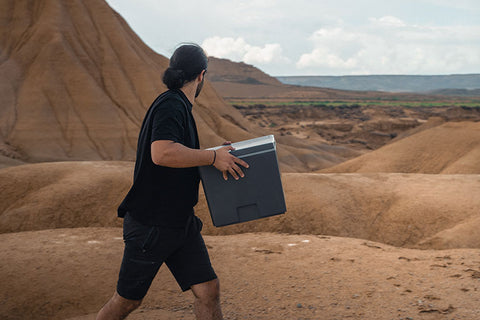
(159,222)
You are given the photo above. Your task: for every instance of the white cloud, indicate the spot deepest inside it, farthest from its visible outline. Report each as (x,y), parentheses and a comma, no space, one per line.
(390,46)
(231,48)
(269,53)
(239,50)
(322,57)
(388,21)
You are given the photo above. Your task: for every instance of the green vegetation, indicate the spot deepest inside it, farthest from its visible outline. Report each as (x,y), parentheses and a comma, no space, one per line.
(359,103)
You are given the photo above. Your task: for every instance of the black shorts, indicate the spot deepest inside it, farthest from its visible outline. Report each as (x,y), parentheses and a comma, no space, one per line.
(147,247)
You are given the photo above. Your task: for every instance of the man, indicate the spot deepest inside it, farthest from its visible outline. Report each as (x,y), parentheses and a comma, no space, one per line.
(159,223)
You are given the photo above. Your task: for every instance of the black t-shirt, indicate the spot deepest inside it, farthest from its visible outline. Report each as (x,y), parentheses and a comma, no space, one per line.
(163,195)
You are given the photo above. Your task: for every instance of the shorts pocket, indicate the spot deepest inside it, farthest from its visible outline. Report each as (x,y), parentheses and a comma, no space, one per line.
(150,239)
(135,278)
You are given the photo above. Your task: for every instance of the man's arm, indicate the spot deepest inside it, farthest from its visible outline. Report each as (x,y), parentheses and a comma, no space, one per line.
(175,155)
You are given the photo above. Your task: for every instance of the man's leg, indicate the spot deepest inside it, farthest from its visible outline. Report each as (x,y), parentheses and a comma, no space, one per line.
(207,300)
(117,308)
(139,266)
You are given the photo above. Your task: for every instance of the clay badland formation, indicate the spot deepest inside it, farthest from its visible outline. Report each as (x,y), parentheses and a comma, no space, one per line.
(390,234)
(76,73)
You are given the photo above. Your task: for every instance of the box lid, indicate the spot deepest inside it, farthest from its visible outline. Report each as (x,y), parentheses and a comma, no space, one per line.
(251,146)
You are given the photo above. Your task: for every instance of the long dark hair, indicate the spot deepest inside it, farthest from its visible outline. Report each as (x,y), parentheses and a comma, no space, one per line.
(186,63)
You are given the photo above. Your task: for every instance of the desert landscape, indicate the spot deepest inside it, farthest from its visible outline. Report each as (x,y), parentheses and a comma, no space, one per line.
(382,189)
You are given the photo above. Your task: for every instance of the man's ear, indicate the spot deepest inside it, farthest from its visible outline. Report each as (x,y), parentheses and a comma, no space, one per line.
(201,75)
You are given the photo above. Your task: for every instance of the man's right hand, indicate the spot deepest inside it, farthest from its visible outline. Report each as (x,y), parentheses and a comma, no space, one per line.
(228,163)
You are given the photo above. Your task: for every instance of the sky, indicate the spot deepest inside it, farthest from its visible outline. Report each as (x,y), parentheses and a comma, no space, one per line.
(313,37)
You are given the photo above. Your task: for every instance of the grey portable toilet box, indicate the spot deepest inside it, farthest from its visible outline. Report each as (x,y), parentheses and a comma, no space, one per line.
(257,195)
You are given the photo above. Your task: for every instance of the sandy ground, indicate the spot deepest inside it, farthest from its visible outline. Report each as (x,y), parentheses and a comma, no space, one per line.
(70,273)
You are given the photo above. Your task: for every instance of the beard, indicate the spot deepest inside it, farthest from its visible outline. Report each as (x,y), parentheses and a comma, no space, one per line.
(199,87)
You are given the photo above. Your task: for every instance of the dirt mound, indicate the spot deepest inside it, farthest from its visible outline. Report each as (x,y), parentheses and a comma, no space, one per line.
(224,70)
(453,147)
(68,273)
(9,162)
(463,235)
(404,210)
(398,209)
(62,194)
(429,123)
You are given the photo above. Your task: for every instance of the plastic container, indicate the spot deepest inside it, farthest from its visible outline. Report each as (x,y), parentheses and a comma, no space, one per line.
(257,195)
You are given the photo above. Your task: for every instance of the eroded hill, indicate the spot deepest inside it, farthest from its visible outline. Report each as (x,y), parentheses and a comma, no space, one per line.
(75,83)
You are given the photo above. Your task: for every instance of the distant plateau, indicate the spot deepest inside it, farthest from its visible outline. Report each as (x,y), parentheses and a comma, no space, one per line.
(455,84)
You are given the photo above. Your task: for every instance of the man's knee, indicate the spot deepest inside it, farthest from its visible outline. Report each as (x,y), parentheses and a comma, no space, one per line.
(126,305)
(207,292)
(117,308)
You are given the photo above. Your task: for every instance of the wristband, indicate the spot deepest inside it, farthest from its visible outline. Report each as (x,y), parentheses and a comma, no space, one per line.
(214,157)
